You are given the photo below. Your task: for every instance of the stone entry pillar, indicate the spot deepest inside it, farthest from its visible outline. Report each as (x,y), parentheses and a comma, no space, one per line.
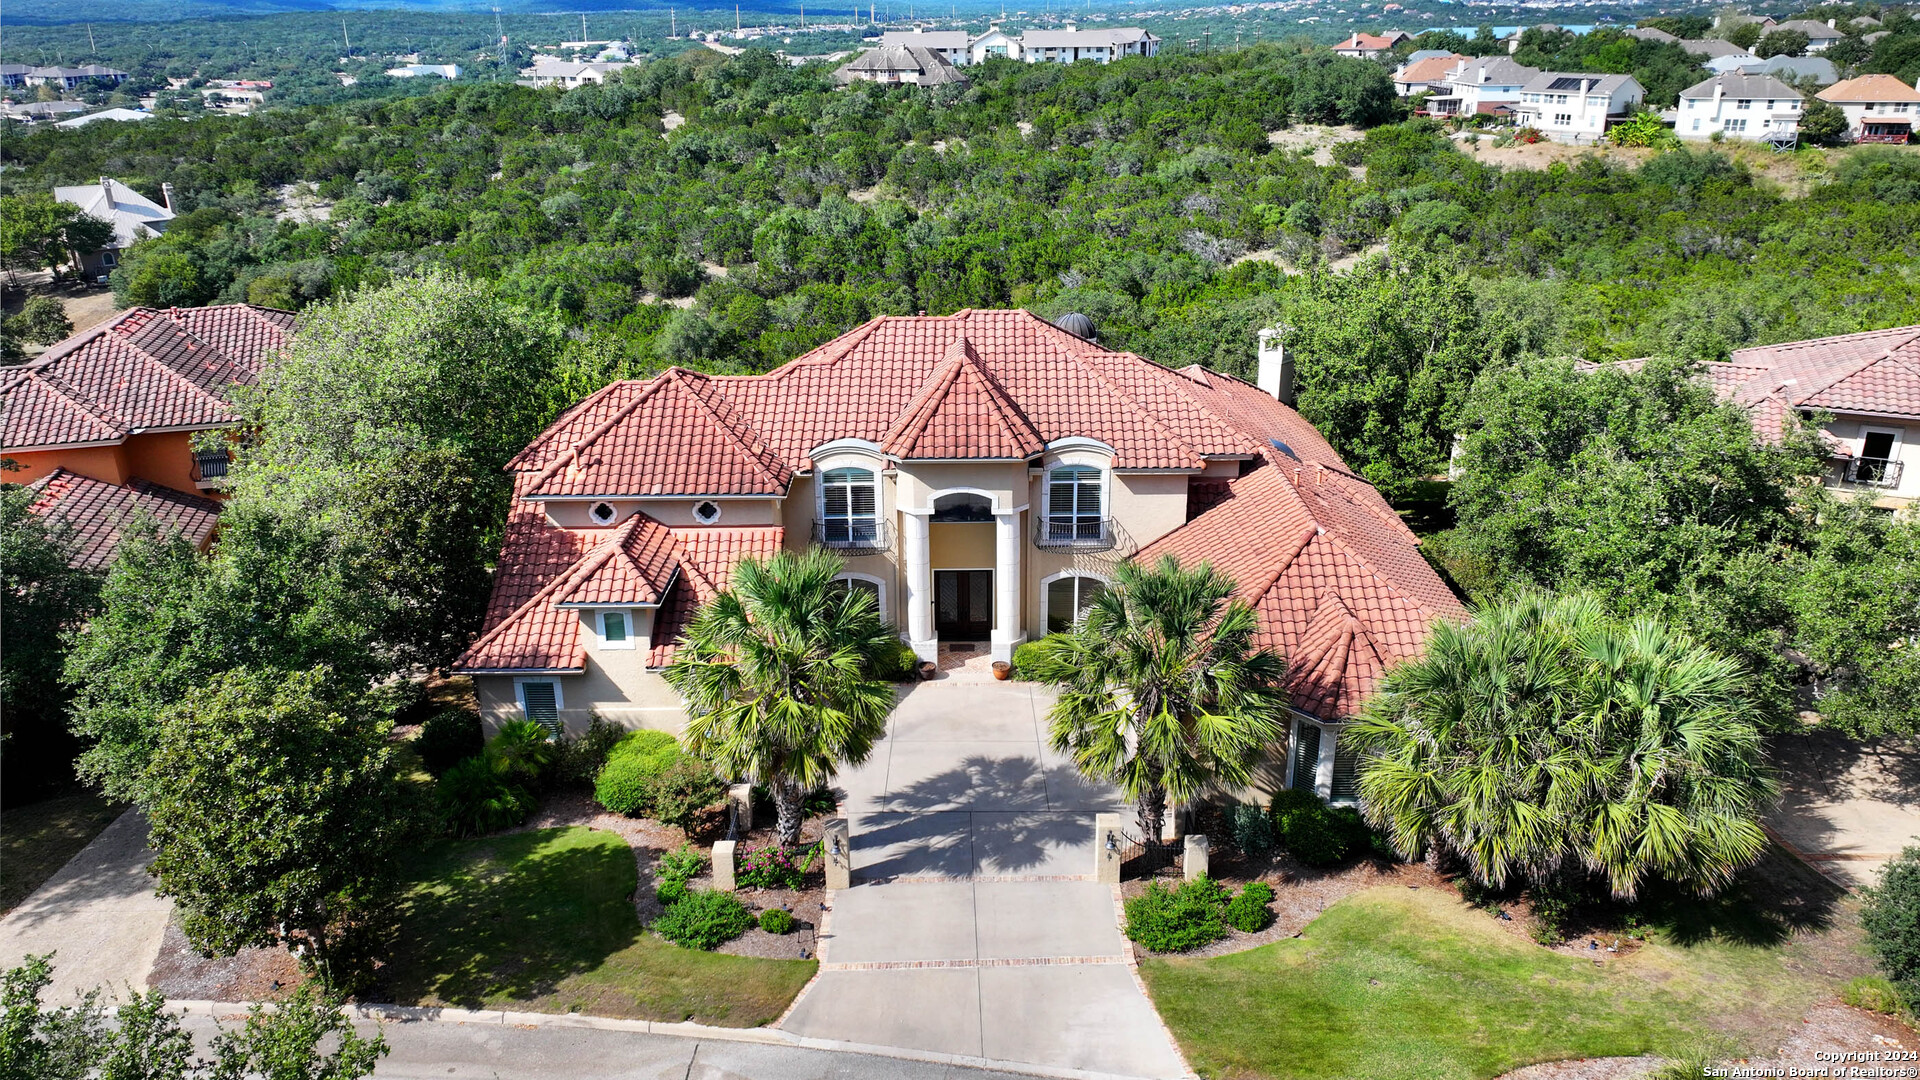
(1007,633)
(723,864)
(1193,862)
(916,562)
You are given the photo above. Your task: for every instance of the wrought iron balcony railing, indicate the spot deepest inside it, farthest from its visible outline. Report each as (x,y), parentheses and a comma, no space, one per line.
(1874,472)
(853,536)
(1081,534)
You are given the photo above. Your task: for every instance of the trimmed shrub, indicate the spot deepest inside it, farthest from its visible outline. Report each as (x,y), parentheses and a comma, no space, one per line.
(1874,994)
(775,867)
(581,759)
(1248,912)
(1891,918)
(525,752)
(899,665)
(1308,830)
(1023,658)
(704,919)
(670,892)
(686,788)
(1177,920)
(776,921)
(682,865)
(626,782)
(447,738)
(1252,829)
(476,796)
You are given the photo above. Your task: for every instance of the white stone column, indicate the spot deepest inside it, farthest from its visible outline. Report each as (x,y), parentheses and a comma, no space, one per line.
(1007,631)
(916,558)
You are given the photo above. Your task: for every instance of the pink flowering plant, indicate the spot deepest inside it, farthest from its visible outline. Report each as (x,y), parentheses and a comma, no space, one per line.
(775,867)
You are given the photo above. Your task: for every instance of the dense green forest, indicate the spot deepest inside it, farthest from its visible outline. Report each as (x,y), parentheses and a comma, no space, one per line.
(1147,195)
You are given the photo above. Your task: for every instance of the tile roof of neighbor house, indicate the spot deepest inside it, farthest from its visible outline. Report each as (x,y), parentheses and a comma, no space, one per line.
(1082,39)
(1816,31)
(1332,569)
(1492,71)
(1713,48)
(95,514)
(1819,68)
(1869,88)
(1366,41)
(931,68)
(1742,86)
(144,369)
(1432,69)
(928,39)
(1594,82)
(1650,33)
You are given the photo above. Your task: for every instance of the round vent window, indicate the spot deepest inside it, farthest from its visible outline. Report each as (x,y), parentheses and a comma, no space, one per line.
(603,513)
(706,513)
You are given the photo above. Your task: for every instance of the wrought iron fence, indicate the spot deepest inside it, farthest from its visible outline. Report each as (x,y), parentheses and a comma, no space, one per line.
(1142,857)
(853,536)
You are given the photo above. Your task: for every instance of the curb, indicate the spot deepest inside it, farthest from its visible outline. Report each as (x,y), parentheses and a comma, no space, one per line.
(427,1014)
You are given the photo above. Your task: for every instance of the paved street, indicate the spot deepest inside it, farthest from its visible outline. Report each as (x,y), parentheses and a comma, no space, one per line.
(1847,806)
(444,1051)
(98,915)
(974,927)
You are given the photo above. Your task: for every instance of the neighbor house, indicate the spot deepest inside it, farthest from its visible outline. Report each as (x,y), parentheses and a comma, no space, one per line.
(1364,46)
(1738,107)
(1879,108)
(1792,68)
(983,474)
(1820,35)
(135,218)
(1488,84)
(909,64)
(1650,33)
(1712,50)
(952,45)
(1866,387)
(417,71)
(102,424)
(1574,106)
(71,78)
(1425,75)
(1073,44)
(553,71)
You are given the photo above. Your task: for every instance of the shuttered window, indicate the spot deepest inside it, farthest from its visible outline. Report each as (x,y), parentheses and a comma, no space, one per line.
(849,506)
(1075,503)
(1306,755)
(1346,773)
(541,700)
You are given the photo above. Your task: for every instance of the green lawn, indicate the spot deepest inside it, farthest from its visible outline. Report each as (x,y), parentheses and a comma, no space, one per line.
(543,921)
(37,839)
(1394,982)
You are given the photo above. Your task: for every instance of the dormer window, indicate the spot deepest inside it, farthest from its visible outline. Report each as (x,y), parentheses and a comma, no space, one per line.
(706,512)
(614,630)
(603,513)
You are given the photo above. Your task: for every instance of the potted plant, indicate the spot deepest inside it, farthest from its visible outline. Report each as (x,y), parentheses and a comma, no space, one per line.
(1002,670)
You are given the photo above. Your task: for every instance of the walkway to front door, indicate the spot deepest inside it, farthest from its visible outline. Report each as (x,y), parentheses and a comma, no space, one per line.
(963,605)
(975,928)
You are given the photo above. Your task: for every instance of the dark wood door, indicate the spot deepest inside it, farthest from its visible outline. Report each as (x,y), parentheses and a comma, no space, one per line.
(963,604)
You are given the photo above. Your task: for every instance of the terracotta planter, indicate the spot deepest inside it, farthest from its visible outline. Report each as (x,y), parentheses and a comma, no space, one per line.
(927,670)
(1002,670)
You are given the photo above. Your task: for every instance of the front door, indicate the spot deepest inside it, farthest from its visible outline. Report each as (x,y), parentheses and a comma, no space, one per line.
(963,605)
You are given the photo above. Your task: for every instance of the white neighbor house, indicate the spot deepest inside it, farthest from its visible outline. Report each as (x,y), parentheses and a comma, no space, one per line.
(952,45)
(1738,107)
(1485,85)
(1574,106)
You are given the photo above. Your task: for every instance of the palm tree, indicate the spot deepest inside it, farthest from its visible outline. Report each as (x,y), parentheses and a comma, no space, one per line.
(1547,738)
(1162,689)
(777,674)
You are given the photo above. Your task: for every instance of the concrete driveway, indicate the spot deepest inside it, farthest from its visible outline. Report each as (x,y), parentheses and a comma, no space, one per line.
(1846,806)
(974,927)
(98,915)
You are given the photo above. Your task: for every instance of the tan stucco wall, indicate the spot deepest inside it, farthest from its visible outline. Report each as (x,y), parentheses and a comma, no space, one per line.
(919,481)
(1148,506)
(957,545)
(1851,429)
(616,684)
(675,512)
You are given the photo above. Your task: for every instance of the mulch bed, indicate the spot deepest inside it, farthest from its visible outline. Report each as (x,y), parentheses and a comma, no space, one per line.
(650,840)
(253,975)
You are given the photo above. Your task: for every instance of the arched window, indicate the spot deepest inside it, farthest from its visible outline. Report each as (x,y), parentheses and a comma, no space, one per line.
(1067,598)
(1076,505)
(849,508)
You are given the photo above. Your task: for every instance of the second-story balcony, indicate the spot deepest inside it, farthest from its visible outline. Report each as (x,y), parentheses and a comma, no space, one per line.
(1079,534)
(853,537)
(1873,472)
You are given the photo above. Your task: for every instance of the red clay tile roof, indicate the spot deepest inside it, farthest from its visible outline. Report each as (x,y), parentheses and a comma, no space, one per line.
(144,369)
(634,565)
(961,412)
(1876,373)
(675,436)
(95,514)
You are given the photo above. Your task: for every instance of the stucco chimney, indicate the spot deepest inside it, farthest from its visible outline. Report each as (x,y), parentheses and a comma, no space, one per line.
(166,196)
(1274,371)
(106,192)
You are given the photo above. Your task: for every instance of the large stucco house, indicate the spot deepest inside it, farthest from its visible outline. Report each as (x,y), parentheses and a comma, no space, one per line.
(983,473)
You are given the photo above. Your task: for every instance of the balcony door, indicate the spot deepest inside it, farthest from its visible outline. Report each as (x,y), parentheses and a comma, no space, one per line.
(963,605)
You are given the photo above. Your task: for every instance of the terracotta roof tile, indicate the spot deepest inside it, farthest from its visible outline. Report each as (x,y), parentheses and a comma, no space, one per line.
(633,565)
(95,514)
(961,412)
(141,370)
